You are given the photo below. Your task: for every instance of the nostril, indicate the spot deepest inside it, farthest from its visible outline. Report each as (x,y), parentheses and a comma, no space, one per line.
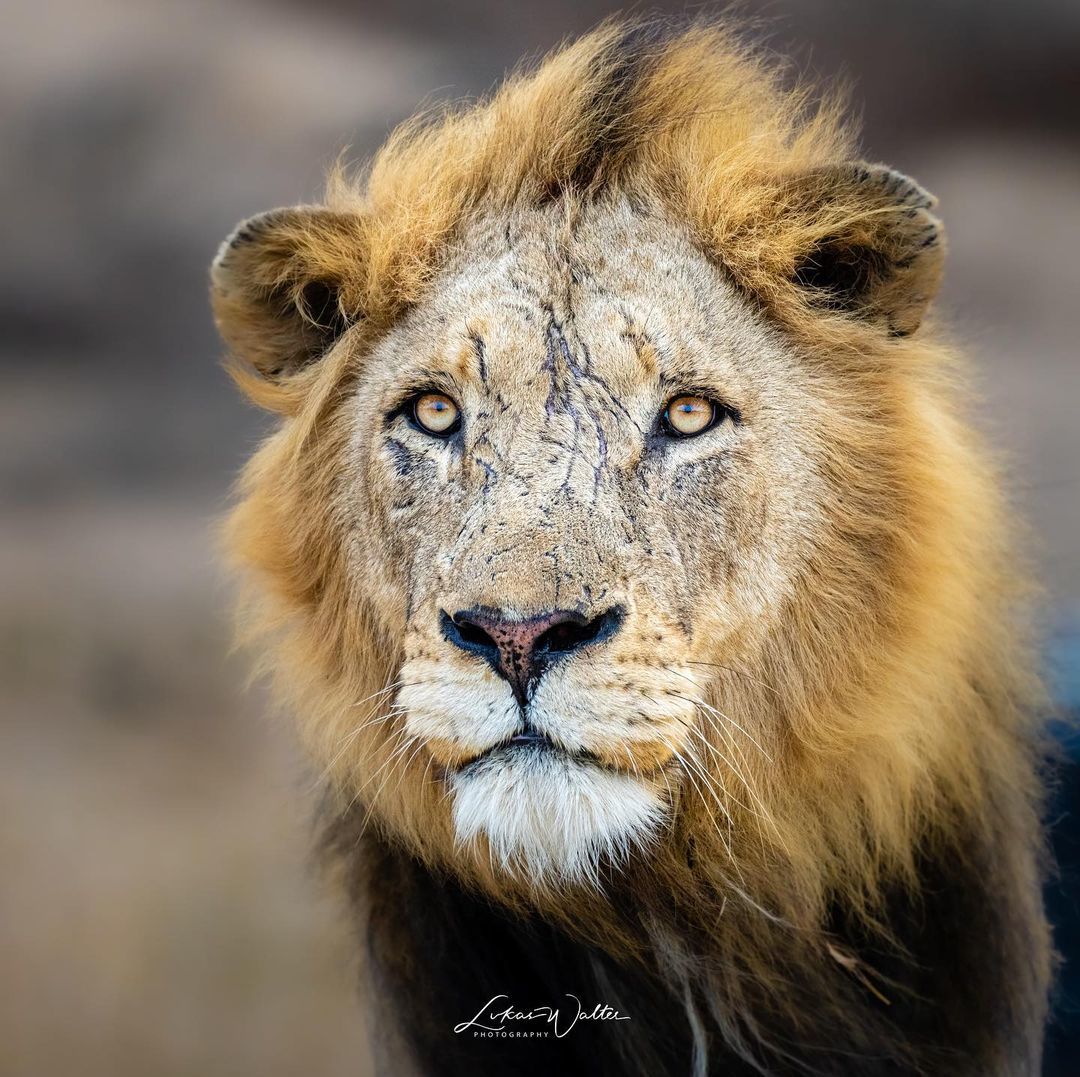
(473,633)
(570,634)
(465,633)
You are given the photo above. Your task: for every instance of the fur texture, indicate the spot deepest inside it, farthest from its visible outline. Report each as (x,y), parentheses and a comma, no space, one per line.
(791,805)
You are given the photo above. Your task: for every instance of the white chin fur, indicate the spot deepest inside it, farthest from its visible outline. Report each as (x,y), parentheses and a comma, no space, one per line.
(551,818)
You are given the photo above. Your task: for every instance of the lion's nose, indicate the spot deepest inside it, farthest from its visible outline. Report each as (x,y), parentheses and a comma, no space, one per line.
(521,649)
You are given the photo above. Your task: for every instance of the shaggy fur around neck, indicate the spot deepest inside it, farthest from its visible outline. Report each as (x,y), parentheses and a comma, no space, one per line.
(888,785)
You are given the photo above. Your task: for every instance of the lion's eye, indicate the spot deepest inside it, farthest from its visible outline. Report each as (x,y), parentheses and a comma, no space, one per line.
(688,416)
(436,414)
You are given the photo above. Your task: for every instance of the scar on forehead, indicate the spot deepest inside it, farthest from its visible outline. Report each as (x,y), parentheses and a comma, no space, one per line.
(464,360)
(650,362)
(643,347)
(473,351)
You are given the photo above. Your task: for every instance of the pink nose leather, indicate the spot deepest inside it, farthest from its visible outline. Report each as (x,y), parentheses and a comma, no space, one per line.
(520,650)
(516,644)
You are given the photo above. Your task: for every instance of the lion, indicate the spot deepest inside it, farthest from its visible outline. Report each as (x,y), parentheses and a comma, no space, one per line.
(644,596)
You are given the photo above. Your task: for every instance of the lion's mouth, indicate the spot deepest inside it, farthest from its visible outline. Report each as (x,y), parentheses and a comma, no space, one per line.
(531,744)
(533,737)
(528,741)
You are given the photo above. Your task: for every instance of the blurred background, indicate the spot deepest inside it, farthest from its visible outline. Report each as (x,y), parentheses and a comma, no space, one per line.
(159,912)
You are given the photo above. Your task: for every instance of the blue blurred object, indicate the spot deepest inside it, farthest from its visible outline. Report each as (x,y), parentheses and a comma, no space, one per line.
(1063,670)
(1063,892)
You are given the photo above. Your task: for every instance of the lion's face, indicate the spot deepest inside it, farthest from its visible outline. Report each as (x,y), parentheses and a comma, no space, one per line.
(567,532)
(583,474)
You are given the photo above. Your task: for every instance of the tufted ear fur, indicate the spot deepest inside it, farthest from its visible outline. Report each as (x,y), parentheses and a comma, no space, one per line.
(879,250)
(284,287)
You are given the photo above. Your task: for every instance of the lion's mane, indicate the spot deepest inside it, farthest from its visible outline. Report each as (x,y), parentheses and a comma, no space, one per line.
(895,700)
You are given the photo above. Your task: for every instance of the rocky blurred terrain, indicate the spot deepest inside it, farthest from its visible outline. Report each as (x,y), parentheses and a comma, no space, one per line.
(158,911)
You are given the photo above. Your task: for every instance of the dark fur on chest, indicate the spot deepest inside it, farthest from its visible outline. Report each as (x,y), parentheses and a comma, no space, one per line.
(960,995)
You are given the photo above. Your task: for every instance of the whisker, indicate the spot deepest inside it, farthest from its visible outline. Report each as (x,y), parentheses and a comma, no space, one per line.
(427,770)
(759,812)
(390,687)
(688,770)
(738,770)
(727,718)
(735,889)
(728,763)
(725,734)
(350,738)
(407,742)
(390,774)
(737,672)
(405,768)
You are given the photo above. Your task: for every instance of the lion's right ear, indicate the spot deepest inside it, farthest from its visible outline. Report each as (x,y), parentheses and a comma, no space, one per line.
(284,287)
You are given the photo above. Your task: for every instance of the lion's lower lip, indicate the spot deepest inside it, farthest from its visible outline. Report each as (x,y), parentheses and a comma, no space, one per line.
(532,743)
(531,737)
(527,739)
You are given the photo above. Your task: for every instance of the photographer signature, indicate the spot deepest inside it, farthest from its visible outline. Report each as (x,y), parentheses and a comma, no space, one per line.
(561,1023)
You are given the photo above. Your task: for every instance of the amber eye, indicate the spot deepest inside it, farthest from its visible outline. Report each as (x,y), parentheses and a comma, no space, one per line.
(436,414)
(687,416)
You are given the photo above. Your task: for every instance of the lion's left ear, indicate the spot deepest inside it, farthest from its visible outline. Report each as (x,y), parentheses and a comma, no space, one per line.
(870,246)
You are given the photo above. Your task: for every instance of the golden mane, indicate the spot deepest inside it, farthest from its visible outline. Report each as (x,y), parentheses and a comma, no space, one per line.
(695,122)
(896,690)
